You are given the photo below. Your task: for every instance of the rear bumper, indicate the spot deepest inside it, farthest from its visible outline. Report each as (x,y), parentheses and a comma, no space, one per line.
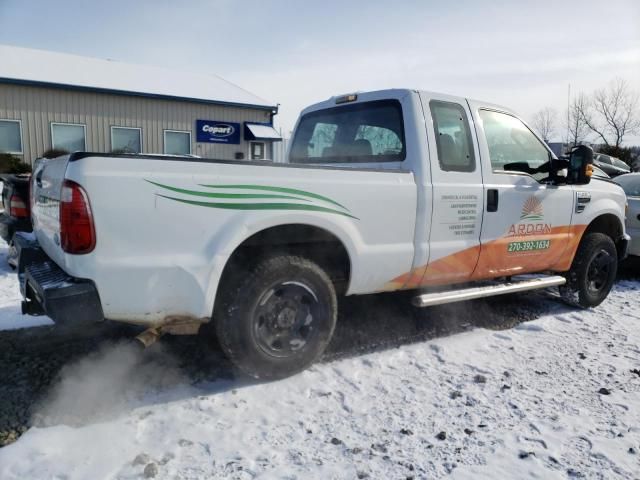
(10,225)
(48,290)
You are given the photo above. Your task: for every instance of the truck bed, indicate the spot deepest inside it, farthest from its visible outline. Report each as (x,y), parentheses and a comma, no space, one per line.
(167,224)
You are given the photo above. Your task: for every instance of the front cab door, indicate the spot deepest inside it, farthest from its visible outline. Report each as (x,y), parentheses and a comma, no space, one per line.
(527,220)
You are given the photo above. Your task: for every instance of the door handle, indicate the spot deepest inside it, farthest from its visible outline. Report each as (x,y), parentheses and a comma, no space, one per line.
(492,200)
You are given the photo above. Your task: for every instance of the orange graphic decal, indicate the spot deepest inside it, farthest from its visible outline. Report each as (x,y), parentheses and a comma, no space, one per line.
(561,244)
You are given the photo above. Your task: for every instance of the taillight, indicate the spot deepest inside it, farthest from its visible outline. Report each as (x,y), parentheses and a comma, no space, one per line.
(77,232)
(17,207)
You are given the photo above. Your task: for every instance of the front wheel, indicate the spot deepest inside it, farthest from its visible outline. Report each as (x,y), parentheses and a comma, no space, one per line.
(592,272)
(278,319)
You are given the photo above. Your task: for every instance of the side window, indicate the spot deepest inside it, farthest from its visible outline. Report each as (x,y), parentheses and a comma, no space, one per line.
(619,163)
(453,137)
(367,132)
(512,146)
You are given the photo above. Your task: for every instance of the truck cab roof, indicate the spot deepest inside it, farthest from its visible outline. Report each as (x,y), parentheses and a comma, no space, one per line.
(393,93)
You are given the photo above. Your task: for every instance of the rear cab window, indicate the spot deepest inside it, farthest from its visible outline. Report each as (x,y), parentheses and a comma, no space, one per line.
(367,132)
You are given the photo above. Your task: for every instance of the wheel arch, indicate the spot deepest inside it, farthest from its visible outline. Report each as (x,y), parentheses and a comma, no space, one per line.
(607,223)
(610,225)
(313,242)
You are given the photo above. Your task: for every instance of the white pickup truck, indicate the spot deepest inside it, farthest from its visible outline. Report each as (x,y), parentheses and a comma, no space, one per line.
(388,190)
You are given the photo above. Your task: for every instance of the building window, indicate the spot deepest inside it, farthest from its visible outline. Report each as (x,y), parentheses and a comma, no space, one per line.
(177,142)
(68,136)
(257,151)
(10,136)
(126,140)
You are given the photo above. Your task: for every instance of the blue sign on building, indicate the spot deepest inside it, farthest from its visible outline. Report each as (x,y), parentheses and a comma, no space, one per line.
(211,131)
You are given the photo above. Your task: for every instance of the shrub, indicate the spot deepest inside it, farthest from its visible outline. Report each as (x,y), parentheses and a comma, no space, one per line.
(54,152)
(12,164)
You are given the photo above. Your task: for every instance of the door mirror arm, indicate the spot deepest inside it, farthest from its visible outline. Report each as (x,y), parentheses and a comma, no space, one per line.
(552,167)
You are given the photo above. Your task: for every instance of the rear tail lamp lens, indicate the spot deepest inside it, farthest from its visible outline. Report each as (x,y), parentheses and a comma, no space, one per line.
(17,207)
(77,231)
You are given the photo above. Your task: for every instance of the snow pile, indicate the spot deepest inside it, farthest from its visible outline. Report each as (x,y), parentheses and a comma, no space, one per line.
(556,397)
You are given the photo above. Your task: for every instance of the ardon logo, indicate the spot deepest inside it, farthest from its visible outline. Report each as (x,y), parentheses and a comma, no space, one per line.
(532,210)
(531,220)
(219,130)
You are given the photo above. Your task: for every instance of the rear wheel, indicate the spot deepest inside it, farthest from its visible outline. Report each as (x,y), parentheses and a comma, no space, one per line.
(279,319)
(592,272)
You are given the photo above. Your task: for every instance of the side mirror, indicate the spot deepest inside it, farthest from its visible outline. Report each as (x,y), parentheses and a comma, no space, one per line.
(580,165)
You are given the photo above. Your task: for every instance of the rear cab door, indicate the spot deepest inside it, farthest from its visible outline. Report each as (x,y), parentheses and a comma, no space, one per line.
(456,174)
(527,220)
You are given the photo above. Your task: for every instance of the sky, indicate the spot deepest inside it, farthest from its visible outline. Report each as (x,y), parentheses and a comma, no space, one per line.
(522,54)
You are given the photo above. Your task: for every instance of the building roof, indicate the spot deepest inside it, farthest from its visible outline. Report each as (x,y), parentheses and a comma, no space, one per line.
(41,67)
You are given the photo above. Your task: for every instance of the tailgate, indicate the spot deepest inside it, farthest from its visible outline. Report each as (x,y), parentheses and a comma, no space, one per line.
(47,180)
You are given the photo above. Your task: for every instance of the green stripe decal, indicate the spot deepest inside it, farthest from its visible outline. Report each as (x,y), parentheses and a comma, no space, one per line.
(260,206)
(227,195)
(291,191)
(288,198)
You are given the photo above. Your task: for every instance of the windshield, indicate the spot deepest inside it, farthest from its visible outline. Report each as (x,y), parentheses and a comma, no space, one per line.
(630,184)
(620,164)
(362,132)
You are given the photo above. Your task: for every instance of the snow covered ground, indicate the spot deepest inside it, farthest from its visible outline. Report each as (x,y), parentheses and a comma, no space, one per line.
(558,397)
(10,314)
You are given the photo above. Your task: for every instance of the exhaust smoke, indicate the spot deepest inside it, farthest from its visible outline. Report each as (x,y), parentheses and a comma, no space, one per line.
(109,382)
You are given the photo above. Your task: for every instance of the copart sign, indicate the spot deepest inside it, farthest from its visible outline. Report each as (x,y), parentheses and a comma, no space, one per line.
(212,131)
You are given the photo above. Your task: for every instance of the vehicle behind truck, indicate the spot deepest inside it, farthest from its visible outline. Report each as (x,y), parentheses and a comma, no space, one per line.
(15,215)
(383,191)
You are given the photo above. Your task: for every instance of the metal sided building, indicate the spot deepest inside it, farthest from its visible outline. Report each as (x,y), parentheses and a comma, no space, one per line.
(52,100)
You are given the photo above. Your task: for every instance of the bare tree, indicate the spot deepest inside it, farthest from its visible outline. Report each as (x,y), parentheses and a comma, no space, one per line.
(612,113)
(544,121)
(577,128)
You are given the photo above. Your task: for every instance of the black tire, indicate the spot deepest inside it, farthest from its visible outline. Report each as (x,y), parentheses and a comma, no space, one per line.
(278,319)
(592,272)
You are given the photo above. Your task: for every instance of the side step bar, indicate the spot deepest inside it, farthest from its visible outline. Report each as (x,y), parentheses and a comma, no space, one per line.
(439,298)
